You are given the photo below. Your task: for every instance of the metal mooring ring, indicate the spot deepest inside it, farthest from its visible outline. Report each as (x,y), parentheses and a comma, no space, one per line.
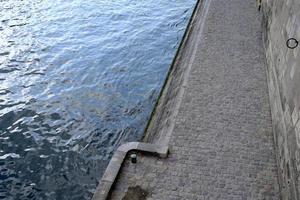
(292,43)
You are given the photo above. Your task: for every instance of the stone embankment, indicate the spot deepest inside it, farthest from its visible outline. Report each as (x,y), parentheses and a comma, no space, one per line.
(281,22)
(214,113)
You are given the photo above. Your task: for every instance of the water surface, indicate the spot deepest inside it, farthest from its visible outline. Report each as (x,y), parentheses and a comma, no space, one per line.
(77,79)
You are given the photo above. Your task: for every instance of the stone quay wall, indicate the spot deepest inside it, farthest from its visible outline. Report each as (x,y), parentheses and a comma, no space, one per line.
(163,116)
(281,21)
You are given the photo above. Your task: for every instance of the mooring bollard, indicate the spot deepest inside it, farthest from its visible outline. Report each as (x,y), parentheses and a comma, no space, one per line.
(133,158)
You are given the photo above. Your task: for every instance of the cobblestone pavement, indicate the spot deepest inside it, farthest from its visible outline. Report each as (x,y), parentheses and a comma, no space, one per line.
(221,145)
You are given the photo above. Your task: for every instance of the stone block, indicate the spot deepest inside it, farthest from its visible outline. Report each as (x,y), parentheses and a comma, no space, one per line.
(284,81)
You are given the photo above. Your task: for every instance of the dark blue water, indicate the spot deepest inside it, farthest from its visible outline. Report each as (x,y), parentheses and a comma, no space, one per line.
(77,79)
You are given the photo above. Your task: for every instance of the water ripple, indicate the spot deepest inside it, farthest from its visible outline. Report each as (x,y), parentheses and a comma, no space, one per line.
(77,79)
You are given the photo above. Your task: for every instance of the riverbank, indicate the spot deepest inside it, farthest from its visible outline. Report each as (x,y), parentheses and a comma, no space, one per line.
(214,113)
(77,80)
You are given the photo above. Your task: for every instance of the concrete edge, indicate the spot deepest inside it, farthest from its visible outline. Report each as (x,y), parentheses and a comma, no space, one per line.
(161,149)
(117,160)
(161,102)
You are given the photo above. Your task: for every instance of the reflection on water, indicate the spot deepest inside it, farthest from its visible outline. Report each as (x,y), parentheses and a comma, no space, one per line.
(77,79)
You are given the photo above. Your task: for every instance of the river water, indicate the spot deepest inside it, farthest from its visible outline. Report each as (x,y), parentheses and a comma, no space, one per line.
(77,79)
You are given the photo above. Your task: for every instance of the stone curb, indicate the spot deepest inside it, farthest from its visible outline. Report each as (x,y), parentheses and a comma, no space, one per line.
(160,149)
(116,161)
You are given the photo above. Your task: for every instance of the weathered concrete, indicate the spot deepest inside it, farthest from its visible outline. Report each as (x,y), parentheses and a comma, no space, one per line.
(116,162)
(215,111)
(281,22)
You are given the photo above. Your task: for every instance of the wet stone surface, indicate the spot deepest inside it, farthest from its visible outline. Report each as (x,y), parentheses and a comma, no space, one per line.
(135,193)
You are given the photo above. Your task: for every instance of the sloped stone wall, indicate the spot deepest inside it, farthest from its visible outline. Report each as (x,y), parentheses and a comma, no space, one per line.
(281,21)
